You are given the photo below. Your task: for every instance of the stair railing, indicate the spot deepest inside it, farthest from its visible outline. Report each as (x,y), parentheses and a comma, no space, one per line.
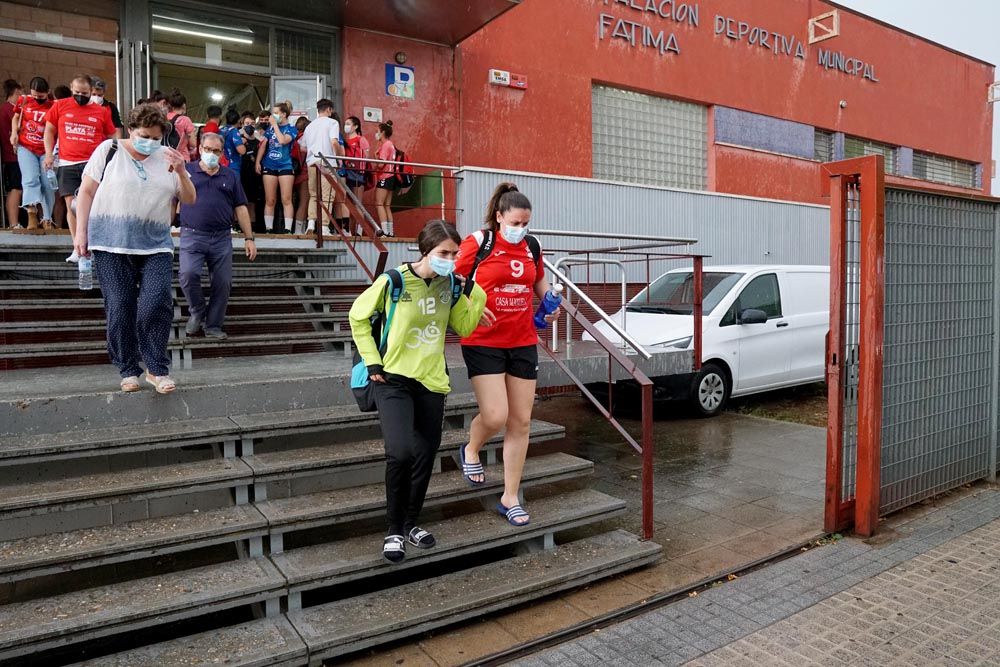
(617,355)
(359,215)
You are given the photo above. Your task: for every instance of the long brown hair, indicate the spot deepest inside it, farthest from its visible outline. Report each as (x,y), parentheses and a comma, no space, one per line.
(505,197)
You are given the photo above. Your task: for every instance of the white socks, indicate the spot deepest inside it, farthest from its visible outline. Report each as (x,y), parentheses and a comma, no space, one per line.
(387,227)
(269,222)
(310,226)
(289,225)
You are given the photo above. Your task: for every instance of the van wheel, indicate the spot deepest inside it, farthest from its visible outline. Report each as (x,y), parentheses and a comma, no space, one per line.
(709,391)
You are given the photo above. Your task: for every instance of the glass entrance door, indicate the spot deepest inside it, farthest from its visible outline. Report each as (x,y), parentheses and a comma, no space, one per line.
(302,92)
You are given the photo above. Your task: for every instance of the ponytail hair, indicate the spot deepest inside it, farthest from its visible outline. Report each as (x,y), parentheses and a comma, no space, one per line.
(505,197)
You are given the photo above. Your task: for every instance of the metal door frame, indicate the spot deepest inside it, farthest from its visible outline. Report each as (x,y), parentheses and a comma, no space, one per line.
(867,175)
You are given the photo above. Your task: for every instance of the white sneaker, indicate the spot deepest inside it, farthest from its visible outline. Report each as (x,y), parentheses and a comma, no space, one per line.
(74,258)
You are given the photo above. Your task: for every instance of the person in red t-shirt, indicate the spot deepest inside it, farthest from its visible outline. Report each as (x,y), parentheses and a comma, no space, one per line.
(80,126)
(28,137)
(502,354)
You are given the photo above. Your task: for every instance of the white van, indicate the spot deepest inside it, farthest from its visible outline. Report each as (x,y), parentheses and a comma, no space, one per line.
(764,328)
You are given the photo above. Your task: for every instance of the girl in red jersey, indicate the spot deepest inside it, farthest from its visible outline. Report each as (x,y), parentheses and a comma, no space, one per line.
(502,356)
(28,138)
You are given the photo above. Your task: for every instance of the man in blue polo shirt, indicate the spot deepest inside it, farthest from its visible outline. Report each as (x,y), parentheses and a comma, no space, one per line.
(206,237)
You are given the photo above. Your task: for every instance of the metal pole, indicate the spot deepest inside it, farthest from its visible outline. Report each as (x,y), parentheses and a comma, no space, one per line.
(149,70)
(647,461)
(118,74)
(613,236)
(697,311)
(132,79)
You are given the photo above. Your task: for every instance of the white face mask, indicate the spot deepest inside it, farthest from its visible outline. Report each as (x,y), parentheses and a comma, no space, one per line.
(348,129)
(378,135)
(97,99)
(514,235)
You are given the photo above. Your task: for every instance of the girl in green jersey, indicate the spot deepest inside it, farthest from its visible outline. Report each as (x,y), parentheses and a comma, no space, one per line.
(410,378)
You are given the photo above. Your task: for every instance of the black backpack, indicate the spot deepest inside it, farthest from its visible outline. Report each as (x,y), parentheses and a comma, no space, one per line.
(486,249)
(172,138)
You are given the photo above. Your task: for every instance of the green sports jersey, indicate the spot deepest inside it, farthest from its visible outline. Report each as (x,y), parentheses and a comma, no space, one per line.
(415,348)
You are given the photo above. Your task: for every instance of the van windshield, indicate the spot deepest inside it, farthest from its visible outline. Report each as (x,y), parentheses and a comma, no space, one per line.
(673,293)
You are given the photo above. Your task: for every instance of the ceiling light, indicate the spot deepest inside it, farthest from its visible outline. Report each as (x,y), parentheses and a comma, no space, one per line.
(204,25)
(217,97)
(207,35)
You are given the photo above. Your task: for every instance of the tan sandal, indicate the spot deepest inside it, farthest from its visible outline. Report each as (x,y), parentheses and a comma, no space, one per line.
(130,384)
(163,383)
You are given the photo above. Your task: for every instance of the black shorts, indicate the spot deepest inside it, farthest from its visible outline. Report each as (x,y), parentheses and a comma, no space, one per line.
(386,183)
(277,172)
(11,176)
(70,178)
(519,362)
(354,179)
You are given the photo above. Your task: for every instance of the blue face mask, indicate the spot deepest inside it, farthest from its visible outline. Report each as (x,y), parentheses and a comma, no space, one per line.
(440,265)
(145,146)
(513,235)
(211,160)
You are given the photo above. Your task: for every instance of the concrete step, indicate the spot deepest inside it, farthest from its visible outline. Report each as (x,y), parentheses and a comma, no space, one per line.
(36,284)
(91,547)
(98,346)
(353,624)
(363,502)
(83,301)
(36,625)
(271,424)
(322,460)
(360,557)
(29,448)
(243,267)
(268,642)
(121,486)
(98,326)
(32,447)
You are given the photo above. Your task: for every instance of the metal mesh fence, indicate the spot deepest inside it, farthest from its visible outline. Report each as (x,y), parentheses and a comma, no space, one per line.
(937,368)
(852,334)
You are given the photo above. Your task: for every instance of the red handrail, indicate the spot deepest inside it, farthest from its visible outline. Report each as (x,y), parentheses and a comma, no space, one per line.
(373,230)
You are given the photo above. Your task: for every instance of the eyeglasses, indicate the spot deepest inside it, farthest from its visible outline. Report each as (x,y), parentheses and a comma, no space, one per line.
(139,168)
(216,151)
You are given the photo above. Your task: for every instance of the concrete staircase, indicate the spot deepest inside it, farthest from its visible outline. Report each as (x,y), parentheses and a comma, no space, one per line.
(293,298)
(222,537)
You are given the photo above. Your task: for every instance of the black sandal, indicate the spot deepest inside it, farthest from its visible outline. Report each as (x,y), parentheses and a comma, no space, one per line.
(394,549)
(420,538)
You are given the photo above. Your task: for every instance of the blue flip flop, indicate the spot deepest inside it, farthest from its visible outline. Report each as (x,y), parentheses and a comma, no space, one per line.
(470,469)
(515,512)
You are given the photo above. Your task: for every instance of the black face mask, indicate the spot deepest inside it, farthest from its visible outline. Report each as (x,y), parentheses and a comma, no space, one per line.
(82,100)
(41,100)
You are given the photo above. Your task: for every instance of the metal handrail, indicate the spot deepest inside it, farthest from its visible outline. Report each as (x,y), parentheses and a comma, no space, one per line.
(660,240)
(570,260)
(564,280)
(370,160)
(367,221)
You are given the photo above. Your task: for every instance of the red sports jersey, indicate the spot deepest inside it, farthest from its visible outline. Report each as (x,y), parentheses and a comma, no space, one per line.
(31,134)
(508,276)
(80,129)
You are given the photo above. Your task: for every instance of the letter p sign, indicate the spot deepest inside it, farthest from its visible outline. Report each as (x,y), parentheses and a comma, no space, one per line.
(399,81)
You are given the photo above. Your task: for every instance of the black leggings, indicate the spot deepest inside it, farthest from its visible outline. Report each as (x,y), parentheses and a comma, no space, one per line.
(411,418)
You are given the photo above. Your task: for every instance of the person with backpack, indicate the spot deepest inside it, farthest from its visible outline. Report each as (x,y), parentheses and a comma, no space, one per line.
(127,201)
(355,145)
(233,147)
(412,306)
(182,135)
(274,163)
(502,359)
(79,126)
(385,176)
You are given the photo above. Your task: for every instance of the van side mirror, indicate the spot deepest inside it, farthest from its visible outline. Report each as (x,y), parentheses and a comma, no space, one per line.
(753,316)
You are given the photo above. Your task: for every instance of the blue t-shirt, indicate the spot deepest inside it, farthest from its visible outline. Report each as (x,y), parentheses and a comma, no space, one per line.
(278,157)
(218,195)
(231,139)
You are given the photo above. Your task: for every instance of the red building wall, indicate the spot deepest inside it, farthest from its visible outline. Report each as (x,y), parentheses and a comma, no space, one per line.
(927,98)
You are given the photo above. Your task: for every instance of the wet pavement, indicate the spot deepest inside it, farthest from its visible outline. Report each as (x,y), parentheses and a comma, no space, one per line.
(728,492)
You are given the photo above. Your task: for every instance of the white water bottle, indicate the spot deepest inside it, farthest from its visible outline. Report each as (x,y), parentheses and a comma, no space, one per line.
(53,181)
(86,267)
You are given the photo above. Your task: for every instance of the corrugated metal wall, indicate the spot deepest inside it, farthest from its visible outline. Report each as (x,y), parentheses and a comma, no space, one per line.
(734,230)
(938,380)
